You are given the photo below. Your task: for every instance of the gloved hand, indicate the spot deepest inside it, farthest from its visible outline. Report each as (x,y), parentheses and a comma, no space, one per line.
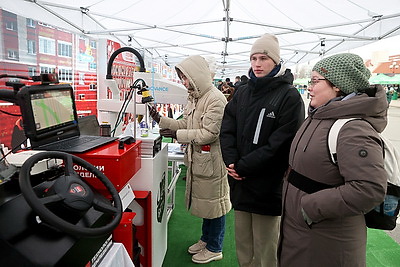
(154,113)
(168,133)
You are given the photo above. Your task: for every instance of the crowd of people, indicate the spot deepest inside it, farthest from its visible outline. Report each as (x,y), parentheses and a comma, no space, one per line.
(228,88)
(254,152)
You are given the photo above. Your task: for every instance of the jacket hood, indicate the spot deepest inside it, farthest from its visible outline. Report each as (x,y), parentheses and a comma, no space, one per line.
(196,69)
(370,108)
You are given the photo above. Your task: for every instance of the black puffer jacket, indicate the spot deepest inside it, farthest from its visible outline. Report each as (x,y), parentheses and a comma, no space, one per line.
(257,129)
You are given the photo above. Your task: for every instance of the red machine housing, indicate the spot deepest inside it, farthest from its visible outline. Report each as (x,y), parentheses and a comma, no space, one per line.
(119,165)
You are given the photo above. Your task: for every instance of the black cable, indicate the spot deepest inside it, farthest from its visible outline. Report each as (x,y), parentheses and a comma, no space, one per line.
(12,150)
(122,110)
(11,114)
(117,52)
(125,104)
(109,76)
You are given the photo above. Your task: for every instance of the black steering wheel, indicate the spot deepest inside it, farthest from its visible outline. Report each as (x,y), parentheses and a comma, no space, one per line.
(71,192)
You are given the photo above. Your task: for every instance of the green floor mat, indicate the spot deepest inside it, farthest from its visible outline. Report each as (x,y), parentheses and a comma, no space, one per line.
(185,229)
(382,250)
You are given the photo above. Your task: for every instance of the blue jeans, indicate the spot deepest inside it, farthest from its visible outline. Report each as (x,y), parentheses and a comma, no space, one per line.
(213,233)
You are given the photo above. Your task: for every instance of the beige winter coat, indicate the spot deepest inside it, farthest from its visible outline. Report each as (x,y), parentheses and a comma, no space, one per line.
(207,190)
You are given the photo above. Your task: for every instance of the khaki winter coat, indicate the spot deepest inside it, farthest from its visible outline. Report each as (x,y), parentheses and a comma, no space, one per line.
(337,236)
(207,190)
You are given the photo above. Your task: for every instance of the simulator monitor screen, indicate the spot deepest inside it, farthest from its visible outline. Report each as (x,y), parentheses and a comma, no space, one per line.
(52,108)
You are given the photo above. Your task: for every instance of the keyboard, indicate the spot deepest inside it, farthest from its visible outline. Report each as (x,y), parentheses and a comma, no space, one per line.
(79,144)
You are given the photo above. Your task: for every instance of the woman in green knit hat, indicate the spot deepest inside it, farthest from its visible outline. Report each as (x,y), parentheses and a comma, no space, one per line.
(323,203)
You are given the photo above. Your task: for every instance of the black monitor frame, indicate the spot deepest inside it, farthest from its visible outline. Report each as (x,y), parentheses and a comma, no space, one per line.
(49,134)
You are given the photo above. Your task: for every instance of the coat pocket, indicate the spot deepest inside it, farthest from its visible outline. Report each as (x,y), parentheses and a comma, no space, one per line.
(202,165)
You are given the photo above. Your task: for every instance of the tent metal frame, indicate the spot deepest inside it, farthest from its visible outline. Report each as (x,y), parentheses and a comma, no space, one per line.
(327,37)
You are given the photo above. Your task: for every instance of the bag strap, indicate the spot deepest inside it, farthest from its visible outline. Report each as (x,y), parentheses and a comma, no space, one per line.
(306,184)
(392,159)
(333,137)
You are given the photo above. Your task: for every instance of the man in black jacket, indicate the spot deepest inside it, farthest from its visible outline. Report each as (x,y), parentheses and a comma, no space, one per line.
(258,126)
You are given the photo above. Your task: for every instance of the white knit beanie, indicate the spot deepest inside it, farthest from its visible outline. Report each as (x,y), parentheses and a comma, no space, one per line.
(267,44)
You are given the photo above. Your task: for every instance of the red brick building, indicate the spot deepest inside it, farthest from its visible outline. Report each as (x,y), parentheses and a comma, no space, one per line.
(30,47)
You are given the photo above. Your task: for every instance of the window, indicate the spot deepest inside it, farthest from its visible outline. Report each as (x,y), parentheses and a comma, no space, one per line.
(11,25)
(47,46)
(93,44)
(31,71)
(30,23)
(65,74)
(31,47)
(64,49)
(81,78)
(47,69)
(12,54)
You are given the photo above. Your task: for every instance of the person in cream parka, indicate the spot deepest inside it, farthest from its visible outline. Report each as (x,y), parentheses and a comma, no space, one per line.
(207,190)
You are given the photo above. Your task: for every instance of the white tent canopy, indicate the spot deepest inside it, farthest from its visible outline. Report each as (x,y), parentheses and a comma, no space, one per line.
(171,30)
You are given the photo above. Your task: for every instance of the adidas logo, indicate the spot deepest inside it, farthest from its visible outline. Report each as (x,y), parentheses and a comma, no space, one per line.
(271,115)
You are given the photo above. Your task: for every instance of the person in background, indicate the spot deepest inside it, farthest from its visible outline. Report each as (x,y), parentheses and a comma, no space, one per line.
(258,126)
(389,94)
(207,189)
(237,81)
(228,82)
(228,91)
(324,204)
(243,81)
(219,85)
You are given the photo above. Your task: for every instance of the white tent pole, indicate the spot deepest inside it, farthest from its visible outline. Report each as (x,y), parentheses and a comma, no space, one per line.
(84,11)
(290,30)
(192,23)
(98,23)
(180,45)
(169,45)
(158,27)
(94,13)
(60,17)
(357,32)
(227,38)
(390,32)
(342,31)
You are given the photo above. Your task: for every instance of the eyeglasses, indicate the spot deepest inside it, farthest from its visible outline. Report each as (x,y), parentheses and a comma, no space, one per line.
(315,81)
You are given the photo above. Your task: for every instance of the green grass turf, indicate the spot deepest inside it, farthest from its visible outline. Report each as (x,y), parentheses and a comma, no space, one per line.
(185,230)
(382,250)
